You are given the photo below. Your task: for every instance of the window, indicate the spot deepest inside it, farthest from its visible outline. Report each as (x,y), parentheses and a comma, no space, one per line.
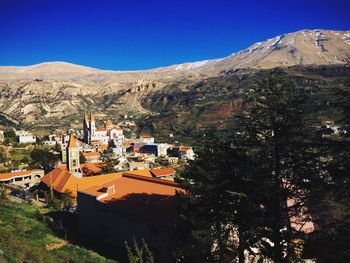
(74,162)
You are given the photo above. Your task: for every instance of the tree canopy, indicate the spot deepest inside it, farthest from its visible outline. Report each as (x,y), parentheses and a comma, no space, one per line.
(249,193)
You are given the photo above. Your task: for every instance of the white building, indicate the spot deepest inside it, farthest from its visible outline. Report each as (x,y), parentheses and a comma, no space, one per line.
(146,139)
(162,149)
(186,152)
(25,137)
(106,134)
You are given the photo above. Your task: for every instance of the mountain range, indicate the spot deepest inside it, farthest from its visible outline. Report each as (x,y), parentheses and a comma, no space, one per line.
(57,89)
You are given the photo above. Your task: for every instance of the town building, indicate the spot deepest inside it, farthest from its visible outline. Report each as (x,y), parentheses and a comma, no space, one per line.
(105,135)
(91,157)
(73,157)
(164,173)
(22,178)
(25,136)
(138,166)
(186,152)
(130,206)
(146,139)
(158,149)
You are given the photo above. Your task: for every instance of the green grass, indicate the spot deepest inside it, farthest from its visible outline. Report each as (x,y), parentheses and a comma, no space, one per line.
(23,238)
(19,154)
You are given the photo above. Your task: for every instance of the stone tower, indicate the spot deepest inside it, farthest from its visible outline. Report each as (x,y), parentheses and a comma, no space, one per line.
(73,163)
(86,128)
(92,126)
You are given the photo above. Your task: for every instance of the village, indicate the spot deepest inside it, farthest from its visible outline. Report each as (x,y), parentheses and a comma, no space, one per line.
(109,178)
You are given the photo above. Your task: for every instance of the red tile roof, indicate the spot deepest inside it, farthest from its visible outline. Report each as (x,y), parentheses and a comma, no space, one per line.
(146,198)
(163,172)
(108,123)
(62,180)
(72,143)
(7,176)
(184,148)
(91,154)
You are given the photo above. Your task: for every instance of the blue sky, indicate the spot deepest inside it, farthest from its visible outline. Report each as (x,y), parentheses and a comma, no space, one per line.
(126,35)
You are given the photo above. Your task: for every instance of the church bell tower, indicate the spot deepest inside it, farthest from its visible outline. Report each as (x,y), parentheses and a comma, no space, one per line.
(73,163)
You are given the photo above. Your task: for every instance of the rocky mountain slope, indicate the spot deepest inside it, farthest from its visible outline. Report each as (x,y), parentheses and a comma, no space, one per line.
(57,89)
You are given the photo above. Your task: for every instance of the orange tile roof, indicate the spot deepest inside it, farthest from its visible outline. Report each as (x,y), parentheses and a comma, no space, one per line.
(143,172)
(7,176)
(147,198)
(103,147)
(184,148)
(72,143)
(90,154)
(62,180)
(101,129)
(108,123)
(163,172)
(92,167)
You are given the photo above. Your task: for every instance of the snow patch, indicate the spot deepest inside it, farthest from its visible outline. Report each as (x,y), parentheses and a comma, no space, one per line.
(277,41)
(346,37)
(197,64)
(255,47)
(179,67)
(319,38)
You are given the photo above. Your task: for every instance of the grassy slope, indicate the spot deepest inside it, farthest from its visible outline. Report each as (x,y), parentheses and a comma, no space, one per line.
(23,238)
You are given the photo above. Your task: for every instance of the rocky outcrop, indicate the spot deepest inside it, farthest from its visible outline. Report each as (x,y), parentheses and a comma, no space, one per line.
(57,89)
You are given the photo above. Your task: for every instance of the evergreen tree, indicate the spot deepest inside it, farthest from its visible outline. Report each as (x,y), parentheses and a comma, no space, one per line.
(109,161)
(208,214)
(286,163)
(2,156)
(254,184)
(331,241)
(44,158)
(139,254)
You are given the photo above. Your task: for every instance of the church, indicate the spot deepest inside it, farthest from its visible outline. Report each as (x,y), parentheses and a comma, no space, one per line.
(104,135)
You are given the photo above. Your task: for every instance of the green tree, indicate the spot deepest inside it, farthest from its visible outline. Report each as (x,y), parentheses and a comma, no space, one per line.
(109,161)
(2,156)
(44,158)
(82,159)
(252,184)
(330,242)
(67,200)
(10,136)
(139,254)
(3,194)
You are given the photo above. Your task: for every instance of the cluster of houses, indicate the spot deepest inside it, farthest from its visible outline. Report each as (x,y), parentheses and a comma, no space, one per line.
(22,136)
(131,153)
(112,207)
(137,200)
